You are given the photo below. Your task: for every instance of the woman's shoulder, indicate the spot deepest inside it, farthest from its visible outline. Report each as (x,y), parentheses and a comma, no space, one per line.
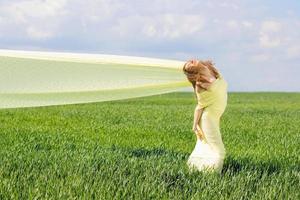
(222,80)
(201,92)
(199,89)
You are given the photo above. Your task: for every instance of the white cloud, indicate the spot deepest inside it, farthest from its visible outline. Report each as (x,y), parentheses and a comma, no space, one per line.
(150,30)
(24,11)
(96,11)
(37,18)
(247,24)
(233,24)
(168,26)
(293,52)
(38,34)
(230,5)
(269,36)
(270,26)
(224,4)
(267,41)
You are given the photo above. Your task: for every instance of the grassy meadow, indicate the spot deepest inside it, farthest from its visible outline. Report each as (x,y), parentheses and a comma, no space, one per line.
(138,148)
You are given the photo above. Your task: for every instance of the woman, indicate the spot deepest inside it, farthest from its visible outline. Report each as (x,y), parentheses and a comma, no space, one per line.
(211,91)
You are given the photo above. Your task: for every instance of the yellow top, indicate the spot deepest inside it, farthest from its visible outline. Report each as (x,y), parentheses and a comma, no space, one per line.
(215,97)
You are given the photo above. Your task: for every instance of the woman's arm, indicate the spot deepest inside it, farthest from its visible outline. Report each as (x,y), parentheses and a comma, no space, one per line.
(196,127)
(197,116)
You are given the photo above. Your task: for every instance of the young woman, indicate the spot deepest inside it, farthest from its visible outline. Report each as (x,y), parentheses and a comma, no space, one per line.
(211,91)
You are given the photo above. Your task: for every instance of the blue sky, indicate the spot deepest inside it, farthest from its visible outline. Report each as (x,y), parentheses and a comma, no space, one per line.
(254,43)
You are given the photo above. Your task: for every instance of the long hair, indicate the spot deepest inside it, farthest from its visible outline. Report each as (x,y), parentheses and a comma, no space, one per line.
(196,73)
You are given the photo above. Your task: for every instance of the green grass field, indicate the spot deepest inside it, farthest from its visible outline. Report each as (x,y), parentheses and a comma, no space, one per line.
(138,149)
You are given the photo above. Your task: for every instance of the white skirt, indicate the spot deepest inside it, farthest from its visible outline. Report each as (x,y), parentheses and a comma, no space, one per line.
(204,157)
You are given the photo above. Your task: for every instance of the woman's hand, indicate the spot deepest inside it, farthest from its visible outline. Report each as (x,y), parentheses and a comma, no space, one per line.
(193,61)
(195,128)
(198,132)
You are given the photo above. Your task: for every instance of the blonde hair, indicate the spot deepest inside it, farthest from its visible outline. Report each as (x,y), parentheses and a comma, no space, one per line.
(195,72)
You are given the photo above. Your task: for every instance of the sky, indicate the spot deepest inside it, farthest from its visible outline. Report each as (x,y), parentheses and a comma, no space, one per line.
(255,44)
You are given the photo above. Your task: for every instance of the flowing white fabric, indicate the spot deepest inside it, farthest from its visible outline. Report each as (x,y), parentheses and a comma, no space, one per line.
(208,155)
(33,78)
